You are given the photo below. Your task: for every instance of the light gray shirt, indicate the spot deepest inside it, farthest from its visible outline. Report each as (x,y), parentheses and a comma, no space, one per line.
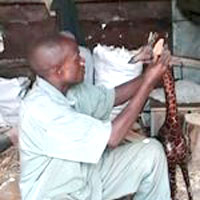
(61,130)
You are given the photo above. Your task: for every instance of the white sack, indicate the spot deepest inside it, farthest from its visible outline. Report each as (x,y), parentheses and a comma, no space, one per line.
(186,92)
(10,100)
(89,64)
(112,68)
(1,42)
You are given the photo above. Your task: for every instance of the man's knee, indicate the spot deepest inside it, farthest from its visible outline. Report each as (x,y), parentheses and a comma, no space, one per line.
(154,152)
(156,146)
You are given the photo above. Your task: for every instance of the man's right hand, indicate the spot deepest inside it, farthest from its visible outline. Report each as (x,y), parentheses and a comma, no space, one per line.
(158,67)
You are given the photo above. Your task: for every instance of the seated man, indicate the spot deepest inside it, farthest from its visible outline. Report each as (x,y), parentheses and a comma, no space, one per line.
(69,150)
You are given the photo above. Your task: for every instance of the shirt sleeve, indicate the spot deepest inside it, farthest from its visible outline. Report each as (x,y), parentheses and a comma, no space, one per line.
(92,100)
(78,137)
(59,127)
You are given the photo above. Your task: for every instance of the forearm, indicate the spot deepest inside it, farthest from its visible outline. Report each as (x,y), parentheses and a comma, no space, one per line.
(139,89)
(127,90)
(128,116)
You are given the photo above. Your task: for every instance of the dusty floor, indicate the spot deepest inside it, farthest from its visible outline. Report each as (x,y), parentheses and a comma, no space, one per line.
(9,174)
(194,170)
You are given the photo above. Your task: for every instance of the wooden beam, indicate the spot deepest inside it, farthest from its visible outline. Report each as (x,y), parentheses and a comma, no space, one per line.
(105,1)
(186,62)
(20,1)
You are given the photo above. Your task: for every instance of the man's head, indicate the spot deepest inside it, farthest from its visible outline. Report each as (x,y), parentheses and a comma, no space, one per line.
(56,58)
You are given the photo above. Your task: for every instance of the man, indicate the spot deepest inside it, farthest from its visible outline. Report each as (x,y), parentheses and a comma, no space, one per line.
(69,149)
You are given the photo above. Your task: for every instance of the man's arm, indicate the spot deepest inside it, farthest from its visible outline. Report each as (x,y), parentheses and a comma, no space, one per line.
(144,85)
(127,90)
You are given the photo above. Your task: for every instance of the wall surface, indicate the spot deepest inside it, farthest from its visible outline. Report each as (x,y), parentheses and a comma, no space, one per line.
(186,42)
(21,23)
(112,22)
(123,23)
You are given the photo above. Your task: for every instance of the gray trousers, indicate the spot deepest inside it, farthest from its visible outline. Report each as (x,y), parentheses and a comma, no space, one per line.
(138,168)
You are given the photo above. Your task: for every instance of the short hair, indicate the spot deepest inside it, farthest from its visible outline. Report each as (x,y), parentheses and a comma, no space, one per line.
(48,52)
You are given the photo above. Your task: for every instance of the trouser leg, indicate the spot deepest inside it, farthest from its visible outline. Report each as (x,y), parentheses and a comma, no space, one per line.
(139,168)
(155,185)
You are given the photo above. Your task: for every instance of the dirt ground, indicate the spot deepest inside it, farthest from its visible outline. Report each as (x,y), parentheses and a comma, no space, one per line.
(194,171)
(9,176)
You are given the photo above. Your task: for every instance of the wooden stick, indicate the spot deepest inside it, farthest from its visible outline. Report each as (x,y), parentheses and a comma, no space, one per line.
(186,62)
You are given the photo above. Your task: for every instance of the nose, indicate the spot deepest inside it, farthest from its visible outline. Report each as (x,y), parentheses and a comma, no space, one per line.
(82,61)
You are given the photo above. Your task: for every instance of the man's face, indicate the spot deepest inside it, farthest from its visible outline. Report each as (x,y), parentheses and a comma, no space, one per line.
(73,69)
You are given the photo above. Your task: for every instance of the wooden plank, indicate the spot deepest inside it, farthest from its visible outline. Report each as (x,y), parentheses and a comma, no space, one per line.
(76,1)
(22,13)
(156,105)
(20,1)
(122,11)
(121,23)
(186,62)
(125,25)
(10,68)
(103,1)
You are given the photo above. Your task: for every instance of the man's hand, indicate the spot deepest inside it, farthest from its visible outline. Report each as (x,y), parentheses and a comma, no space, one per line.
(144,55)
(158,67)
(141,88)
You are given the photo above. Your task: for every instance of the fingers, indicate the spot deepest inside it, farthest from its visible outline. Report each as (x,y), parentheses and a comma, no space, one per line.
(165,57)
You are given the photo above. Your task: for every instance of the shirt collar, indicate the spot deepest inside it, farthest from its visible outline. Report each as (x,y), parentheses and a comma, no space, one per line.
(51,91)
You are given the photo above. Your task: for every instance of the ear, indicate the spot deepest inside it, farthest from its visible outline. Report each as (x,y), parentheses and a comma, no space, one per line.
(58,71)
